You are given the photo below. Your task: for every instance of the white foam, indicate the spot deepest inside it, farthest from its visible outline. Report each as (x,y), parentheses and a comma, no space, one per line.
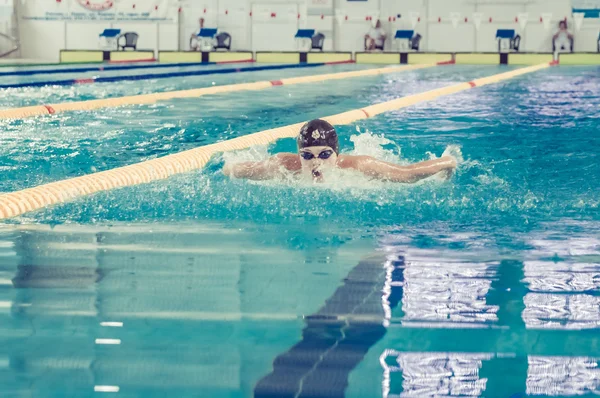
(373,145)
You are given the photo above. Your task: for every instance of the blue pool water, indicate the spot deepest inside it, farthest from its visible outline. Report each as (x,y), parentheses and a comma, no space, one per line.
(54,94)
(485,285)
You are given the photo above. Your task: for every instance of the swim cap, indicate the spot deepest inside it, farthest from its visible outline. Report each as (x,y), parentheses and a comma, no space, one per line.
(318,133)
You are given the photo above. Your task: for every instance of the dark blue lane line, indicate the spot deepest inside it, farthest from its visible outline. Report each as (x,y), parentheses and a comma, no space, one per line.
(332,344)
(111,79)
(100,69)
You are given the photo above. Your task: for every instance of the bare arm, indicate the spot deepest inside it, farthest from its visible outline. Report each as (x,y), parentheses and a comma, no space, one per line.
(263,170)
(397,173)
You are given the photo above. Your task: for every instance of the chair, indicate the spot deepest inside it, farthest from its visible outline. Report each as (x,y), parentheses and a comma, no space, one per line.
(317,41)
(130,39)
(508,36)
(415,42)
(223,41)
(554,49)
(376,46)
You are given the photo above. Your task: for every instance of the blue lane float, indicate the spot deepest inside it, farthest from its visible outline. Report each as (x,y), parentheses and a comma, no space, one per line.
(112,79)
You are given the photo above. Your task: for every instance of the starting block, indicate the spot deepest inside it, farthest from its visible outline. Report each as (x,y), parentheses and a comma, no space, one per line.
(206,38)
(508,40)
(304,39)
(108,40)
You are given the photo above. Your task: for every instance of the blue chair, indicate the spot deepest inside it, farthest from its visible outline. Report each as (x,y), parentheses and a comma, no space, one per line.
(223,41)
(317,41)
(508,36)
(407,40)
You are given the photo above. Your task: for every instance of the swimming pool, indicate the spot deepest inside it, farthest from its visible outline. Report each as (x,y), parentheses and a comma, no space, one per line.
(203,286)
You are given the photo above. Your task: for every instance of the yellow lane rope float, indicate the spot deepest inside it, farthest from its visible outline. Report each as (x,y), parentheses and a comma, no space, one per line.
(38,110)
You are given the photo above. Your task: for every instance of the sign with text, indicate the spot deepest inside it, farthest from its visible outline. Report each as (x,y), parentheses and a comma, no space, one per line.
(320,3)
(586,8)
(99,10)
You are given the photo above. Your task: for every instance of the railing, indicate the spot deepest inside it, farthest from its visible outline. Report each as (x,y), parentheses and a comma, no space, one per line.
(12,50)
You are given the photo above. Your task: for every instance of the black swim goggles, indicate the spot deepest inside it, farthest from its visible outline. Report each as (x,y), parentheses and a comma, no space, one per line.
(326,154)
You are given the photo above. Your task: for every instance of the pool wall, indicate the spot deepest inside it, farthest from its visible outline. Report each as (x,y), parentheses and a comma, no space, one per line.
(297,57)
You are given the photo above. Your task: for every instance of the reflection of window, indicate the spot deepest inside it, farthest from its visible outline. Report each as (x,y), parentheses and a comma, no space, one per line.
(426,374)
(558,295)
(560,376)
(436,291)
(548,276)
(561,311)
(571,247)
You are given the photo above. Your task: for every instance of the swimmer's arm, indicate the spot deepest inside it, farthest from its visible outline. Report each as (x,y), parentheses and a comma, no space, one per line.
(264,170)
(397,173)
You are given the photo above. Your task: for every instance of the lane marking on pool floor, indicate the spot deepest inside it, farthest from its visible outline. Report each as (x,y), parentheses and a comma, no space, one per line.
(40,110)
(19,202)
(331,347)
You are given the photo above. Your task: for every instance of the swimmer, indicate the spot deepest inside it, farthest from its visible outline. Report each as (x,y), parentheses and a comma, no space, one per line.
(318,151)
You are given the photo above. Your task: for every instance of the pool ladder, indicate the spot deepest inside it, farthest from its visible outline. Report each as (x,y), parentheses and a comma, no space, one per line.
(15,47)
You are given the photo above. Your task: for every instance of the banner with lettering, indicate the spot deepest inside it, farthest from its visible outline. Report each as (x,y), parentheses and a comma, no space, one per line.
(589,8)
(100,10)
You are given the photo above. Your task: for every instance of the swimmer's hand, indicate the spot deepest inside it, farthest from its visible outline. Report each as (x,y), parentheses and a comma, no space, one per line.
(451,167)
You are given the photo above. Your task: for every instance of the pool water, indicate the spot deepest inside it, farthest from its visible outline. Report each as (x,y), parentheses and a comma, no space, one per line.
(484,285)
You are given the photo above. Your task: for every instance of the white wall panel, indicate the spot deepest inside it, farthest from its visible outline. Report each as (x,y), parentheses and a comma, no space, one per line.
(274,33)
(42,39)
(266,33)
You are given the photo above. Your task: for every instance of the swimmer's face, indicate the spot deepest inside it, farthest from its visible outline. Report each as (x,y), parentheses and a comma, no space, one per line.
(316,159)
(562,25)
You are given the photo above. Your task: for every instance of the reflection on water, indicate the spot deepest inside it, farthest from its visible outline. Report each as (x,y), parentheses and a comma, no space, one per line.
(156,310)
(433,374)
(563,376)
(531,319)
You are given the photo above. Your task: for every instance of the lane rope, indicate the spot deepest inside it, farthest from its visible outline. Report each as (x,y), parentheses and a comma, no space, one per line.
(168,75)
(144,99)
(20,202)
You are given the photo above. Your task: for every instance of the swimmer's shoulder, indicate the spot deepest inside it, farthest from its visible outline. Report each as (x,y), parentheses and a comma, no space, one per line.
(290,161)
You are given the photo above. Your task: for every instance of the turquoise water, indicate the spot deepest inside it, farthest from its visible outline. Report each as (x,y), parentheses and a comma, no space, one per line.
(485,285)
